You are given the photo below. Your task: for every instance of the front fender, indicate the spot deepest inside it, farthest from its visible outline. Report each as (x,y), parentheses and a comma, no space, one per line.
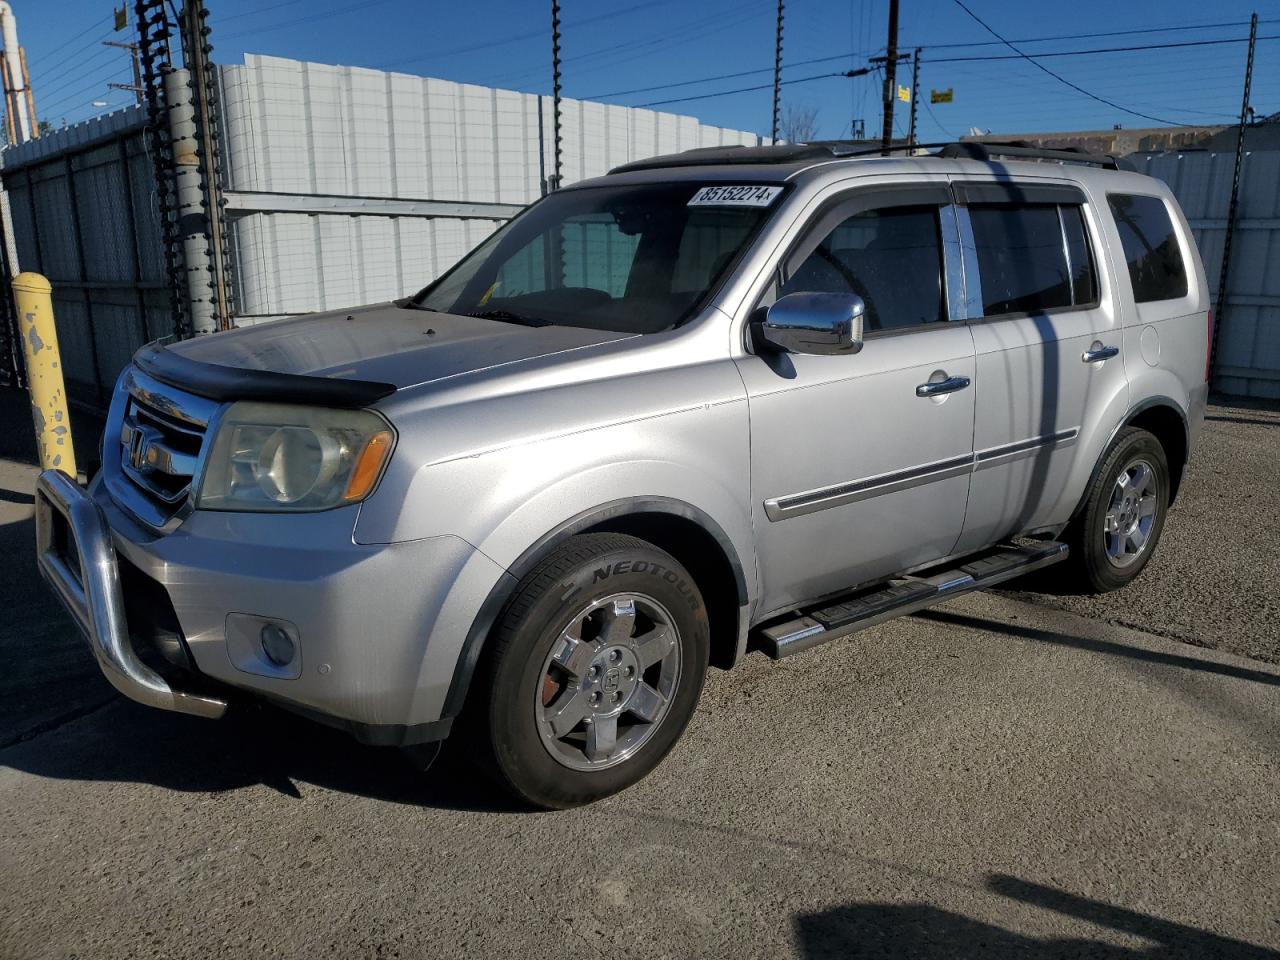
(516,502)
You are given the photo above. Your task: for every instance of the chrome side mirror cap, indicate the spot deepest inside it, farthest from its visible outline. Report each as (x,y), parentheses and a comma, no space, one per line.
(819,323)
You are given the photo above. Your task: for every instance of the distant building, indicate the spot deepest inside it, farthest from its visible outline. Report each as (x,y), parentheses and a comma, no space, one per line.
(1262,134)
(1121,142)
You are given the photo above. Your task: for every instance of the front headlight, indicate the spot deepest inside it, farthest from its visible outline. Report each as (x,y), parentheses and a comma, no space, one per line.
(278,457)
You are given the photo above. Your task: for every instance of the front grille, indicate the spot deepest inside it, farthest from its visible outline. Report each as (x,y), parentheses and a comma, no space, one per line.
(161,433)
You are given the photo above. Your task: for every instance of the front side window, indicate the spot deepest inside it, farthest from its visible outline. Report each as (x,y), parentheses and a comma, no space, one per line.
(1150,247)
(890,257)
(633,259)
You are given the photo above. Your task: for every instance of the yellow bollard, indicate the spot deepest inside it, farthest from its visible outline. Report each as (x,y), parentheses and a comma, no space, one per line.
(33,294)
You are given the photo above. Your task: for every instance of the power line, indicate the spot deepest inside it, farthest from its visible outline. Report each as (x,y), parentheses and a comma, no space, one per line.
(689,32)
(67,43)
(729,76)
(532,35)
(962,59)
(1033,57)
(1092,36)
(319,15)
(1062,79)
(765,86)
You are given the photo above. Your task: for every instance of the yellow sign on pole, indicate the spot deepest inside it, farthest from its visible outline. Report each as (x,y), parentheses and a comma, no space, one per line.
(940,96)
(904,94)
(122,17)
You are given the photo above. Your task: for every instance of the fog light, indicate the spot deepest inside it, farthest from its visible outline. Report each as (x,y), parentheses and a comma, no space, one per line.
(276,644)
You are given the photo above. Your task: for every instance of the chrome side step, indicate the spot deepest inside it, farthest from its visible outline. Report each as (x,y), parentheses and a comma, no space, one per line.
(905,595)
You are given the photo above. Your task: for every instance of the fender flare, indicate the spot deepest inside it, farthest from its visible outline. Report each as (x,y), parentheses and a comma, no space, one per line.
(487,616)
(1147,404)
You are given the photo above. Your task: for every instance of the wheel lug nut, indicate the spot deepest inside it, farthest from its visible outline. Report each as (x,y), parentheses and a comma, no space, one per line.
(595,697)
(614,656)
(630,672)
(617,695)
(595,671)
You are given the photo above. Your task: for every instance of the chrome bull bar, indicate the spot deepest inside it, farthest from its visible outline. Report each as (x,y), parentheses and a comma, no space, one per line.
(78,560)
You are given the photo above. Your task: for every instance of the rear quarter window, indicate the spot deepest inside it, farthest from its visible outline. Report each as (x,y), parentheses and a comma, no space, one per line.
(1150,247)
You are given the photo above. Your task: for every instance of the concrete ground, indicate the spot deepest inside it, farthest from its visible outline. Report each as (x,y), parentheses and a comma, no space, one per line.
(1009,775)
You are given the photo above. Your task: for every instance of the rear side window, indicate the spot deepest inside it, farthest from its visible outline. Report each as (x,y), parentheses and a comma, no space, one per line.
(1032,257)
(1150,247)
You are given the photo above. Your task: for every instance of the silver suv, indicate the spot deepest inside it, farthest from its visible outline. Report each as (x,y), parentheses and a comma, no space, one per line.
(728,400)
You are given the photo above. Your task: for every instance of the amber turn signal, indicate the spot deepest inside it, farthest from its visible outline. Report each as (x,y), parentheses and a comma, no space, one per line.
(368,466)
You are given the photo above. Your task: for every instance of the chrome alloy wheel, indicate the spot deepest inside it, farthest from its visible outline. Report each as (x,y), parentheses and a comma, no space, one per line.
(1131,513)
(608,682)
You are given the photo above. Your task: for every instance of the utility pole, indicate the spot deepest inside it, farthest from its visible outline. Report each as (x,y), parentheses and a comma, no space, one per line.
(1234,204)
(890,78)
(915,95)
(777,74)
(555,93)
(136,86)
(16,91)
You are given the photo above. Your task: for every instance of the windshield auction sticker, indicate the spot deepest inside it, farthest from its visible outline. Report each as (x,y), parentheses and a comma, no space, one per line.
(742,196)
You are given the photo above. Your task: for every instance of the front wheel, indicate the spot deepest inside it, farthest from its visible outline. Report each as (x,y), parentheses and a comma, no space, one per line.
(596,667)
(1114,536)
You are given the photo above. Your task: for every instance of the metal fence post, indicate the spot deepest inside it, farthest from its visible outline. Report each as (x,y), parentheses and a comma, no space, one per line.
(193,217)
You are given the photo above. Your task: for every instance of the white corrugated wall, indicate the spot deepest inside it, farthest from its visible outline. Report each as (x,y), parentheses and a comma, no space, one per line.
(307,128)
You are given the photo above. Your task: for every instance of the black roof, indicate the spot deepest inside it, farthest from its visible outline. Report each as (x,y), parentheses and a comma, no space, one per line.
(837,149)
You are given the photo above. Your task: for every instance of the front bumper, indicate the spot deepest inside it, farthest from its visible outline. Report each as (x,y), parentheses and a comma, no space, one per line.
(379,627)
(76,556)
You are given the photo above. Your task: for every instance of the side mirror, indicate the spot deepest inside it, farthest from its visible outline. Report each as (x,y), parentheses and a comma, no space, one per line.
(821,323)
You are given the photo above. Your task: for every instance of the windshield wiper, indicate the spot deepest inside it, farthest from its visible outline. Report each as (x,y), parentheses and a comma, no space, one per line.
(506,316)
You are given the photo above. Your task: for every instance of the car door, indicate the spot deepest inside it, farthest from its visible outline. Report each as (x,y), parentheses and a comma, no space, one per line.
(860,463)
(1047,335)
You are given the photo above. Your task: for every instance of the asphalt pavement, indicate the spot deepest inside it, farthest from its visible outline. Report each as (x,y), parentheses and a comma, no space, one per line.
(1008,775)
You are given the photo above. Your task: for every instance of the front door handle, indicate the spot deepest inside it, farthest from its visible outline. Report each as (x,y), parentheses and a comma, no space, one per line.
(1101,353)
(949,385)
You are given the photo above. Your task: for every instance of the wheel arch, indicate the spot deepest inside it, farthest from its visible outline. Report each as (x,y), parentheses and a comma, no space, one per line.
(1167,422)
(681,529)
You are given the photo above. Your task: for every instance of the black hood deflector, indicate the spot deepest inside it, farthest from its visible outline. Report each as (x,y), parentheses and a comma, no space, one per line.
(217,382)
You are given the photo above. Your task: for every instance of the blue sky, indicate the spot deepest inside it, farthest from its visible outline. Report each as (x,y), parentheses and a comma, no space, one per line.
(611,47)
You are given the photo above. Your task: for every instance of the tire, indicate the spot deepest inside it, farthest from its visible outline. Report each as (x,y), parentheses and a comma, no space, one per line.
(602,617)
(1101,559)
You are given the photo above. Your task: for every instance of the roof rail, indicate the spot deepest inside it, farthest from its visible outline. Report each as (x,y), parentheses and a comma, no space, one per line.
(1021,150)
(733,154)
(819,150)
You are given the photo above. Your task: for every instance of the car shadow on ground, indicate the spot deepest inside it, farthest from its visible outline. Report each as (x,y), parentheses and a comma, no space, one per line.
(253,744)
(920,931)
(1108,647)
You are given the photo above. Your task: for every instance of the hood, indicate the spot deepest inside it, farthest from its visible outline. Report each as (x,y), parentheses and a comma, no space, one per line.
(386,343)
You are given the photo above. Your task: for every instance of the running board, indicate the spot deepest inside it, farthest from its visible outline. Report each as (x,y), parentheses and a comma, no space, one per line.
(904,595)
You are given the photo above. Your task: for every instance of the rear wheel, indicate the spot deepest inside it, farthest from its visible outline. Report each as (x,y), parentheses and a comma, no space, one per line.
(595,669)
(1114,536)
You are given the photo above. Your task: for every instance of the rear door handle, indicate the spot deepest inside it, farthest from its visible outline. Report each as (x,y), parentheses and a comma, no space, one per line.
(950,385)
(1102,353)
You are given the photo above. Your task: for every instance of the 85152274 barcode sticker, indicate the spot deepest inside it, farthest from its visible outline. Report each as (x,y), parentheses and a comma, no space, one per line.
(735,196)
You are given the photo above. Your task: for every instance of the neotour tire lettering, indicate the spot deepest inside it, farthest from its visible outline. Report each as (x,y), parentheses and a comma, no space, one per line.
(653,568)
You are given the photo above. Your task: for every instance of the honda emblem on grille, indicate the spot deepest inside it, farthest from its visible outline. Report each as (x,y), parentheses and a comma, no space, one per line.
(143,443)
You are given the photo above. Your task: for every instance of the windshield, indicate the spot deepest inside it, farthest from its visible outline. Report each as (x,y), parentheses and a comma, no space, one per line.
(632,259)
